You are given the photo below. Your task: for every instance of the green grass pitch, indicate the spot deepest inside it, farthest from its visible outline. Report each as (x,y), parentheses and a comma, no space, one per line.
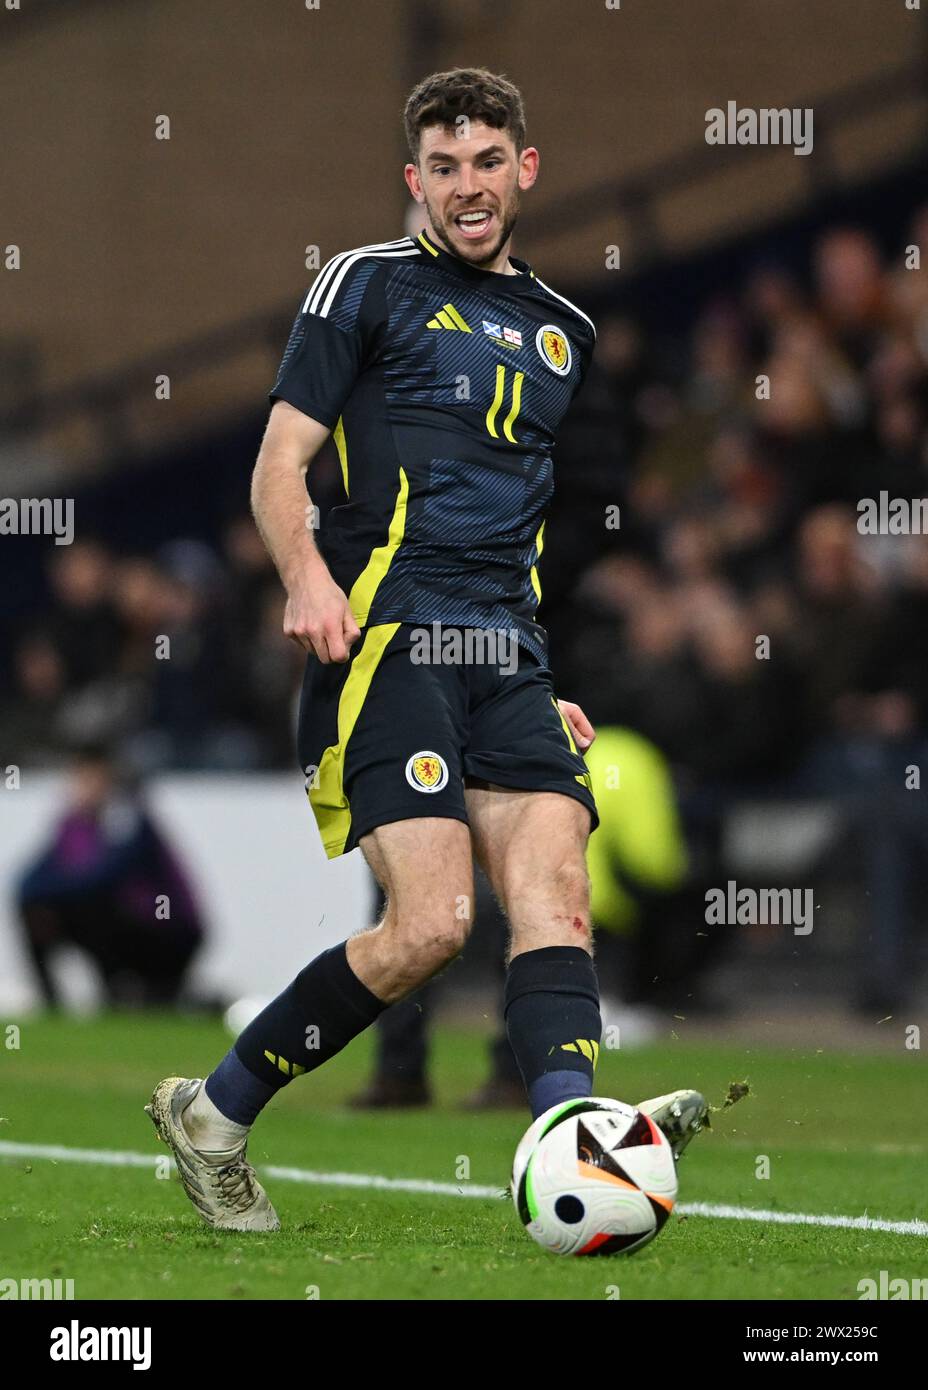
(844,1134)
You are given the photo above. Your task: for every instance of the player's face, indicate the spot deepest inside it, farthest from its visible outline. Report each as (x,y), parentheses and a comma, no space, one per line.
(470,180)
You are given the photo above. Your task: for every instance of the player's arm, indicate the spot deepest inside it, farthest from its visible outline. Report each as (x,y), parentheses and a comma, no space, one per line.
(318,615)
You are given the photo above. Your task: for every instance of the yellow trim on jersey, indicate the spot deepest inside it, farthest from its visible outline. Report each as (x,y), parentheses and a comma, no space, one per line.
(539,547)
(518,378)
(516,402)
(497,400)
(368,581)
(421,238)
(326,791)
(341,445)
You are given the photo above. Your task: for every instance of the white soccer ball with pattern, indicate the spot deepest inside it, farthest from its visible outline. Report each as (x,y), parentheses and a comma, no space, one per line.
(593,1177)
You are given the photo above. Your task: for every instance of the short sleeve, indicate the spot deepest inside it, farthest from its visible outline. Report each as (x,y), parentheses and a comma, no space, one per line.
(331,340)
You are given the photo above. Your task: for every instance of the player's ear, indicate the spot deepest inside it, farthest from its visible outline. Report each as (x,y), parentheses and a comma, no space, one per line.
(414,182)
(529,160)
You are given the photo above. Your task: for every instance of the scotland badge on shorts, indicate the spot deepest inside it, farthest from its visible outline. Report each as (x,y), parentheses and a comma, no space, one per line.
(554,348)
(427,772)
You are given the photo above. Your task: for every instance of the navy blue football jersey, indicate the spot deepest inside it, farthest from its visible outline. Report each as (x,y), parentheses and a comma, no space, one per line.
(444,386)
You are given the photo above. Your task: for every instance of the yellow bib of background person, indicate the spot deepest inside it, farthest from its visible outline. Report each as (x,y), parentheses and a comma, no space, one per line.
(639,835)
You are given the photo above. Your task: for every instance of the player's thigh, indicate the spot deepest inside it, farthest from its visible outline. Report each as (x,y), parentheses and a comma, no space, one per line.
(425,868)
(532,847)
(384,738)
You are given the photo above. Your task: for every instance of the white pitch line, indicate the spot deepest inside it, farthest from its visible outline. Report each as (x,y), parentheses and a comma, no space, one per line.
(798,1218)
(115,1158)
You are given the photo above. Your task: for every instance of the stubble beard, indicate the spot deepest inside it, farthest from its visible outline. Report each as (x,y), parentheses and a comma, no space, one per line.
(508,218)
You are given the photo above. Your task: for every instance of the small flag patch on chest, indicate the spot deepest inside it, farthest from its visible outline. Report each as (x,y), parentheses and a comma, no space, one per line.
(506,337)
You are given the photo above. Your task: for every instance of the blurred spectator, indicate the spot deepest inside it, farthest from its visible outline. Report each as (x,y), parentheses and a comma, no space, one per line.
(108,883)
(30,716)
(83,623)
(194,699)
(852,291)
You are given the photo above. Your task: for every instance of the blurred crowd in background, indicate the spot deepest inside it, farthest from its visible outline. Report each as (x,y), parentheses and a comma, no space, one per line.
(705,585)
(737,519)
(177,659)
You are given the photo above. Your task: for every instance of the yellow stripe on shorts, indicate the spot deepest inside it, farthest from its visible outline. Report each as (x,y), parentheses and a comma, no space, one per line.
(327,792)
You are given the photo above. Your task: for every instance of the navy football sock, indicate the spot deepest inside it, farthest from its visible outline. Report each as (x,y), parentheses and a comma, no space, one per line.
(553,1021)
(315,1017)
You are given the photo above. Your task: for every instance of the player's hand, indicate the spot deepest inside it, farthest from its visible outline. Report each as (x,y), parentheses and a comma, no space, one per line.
(580,726)
(320,620)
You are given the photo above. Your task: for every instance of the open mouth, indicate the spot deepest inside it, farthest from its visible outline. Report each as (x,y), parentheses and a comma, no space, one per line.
(474,224)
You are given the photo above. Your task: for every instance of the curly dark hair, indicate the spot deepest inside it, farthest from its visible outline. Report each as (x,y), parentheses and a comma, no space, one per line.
(474,92)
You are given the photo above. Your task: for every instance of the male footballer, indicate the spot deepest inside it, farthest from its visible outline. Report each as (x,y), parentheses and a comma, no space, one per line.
(443,366)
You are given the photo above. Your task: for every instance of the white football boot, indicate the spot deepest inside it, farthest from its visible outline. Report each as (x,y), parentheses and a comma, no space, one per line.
(680,1116)
(222,1186)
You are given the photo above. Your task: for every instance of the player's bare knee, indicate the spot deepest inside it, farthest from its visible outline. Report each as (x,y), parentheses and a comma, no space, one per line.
(436,942)
(565,886)
(571,887)
(423,937)
(571,905)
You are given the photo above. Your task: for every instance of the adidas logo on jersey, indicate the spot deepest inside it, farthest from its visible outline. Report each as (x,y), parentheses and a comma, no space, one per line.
(448,317)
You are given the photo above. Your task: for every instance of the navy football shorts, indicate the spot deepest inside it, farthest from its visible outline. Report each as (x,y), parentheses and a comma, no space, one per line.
(384,737)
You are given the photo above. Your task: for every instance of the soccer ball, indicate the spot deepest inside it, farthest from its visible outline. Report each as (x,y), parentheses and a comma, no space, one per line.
(593,1177)
(241,1012)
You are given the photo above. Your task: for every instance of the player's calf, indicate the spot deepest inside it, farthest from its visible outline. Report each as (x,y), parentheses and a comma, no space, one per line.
(553,1022)
(425,868)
